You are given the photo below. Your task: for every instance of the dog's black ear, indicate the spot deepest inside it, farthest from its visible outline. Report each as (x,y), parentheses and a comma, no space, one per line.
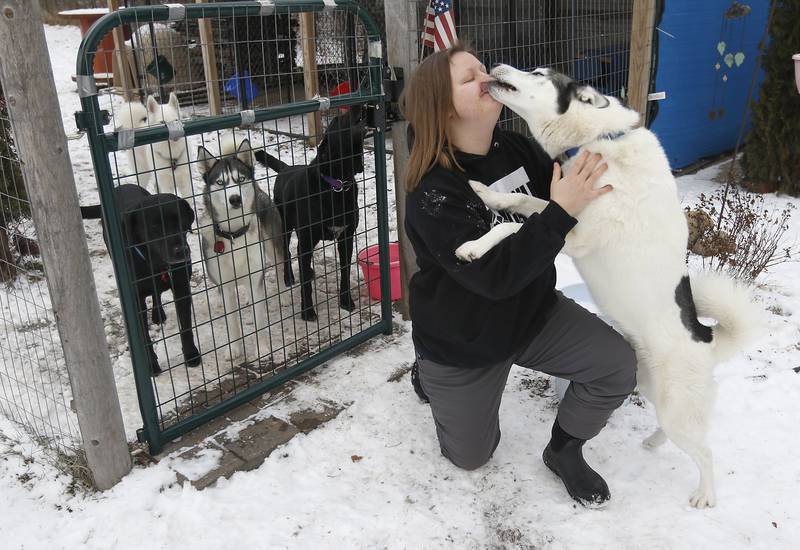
(185,214)
(130,226)
(590,96)
(205,159)
(322,148)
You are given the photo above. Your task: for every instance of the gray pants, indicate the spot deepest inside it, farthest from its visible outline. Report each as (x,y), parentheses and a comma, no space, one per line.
(574,344)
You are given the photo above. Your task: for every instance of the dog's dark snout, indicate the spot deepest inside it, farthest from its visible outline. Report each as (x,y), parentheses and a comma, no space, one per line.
(236,201)
(495,65)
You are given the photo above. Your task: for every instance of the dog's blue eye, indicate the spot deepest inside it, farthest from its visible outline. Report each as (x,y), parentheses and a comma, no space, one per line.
(240,179)
(220,182)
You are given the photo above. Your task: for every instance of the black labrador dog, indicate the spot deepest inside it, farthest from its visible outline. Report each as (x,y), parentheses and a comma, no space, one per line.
(154,229)
(320,202)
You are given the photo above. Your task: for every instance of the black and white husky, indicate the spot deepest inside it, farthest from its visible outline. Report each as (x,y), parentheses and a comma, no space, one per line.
(243,238)
(629,246)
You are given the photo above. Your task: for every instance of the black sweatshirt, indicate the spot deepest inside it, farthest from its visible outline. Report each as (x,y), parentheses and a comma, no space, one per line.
(480,313)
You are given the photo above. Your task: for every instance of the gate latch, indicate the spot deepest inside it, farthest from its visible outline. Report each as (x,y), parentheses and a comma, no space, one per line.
(83,120)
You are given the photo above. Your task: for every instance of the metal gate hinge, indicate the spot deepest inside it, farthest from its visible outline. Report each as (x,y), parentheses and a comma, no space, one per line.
(83,120)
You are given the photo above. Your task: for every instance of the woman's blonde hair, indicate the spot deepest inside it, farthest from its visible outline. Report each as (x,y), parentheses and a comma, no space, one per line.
(427,103)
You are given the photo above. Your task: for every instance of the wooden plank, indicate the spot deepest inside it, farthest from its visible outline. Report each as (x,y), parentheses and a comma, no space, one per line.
(210,64)
(123,76)
(402,46)
(309,45)
(32,99)
(643,21)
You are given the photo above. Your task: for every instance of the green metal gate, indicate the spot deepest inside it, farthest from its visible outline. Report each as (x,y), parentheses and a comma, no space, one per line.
(197,394)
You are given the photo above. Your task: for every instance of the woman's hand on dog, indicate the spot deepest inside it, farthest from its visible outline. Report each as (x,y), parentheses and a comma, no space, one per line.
(575,190)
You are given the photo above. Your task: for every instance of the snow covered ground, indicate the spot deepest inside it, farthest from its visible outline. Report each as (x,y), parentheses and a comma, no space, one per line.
(373,477)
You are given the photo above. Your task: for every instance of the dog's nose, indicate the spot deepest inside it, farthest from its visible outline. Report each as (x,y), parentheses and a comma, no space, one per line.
(495,65)
(236,201)
(180,252)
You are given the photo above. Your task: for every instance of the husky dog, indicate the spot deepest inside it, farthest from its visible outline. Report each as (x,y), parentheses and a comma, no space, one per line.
(169,158)
(629,246)
(131,116)
(245,229)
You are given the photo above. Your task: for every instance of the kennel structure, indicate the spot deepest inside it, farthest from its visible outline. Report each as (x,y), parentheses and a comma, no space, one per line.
(706,59)
(284,345)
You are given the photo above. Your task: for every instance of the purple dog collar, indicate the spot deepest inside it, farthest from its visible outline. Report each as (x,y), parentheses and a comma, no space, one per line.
(338,185)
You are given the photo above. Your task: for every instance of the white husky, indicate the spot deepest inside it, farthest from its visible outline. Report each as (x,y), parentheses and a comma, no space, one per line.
(629,246)
(131,116)
(169,158)
(242,231)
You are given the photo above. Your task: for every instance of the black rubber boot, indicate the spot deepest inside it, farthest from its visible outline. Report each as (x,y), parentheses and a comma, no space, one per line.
(416,384)
(564,456)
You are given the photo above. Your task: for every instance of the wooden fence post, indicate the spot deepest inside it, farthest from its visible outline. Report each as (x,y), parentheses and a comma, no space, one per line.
(644,12)
(47,172)
(210,64)
(310,75)
(402,47)
(120,67)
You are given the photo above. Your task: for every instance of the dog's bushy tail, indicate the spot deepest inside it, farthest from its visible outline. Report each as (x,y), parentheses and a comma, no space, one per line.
(730,303)
(269,161)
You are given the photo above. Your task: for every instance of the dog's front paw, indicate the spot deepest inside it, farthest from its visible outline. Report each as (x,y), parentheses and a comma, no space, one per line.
(469,251)
(492,199)
(308,315)
(159,315)
(703,498)
(237,351)
(346,302)
(191,357)
(479,188)
(155,368)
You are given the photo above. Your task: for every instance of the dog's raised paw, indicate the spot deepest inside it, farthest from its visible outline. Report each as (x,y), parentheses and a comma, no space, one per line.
(478,187)
(468,252)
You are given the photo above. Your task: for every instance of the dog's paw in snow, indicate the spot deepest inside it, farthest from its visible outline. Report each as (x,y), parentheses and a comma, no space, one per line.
(703,498)
(656,439)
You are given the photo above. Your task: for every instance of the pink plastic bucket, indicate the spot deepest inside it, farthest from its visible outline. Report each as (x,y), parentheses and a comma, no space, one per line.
(369,260)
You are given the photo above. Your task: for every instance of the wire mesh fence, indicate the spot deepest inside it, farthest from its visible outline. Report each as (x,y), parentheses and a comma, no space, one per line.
(34,384)
(260,236)
(587,40)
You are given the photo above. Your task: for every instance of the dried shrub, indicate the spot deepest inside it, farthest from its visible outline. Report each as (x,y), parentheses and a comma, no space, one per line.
(749,238)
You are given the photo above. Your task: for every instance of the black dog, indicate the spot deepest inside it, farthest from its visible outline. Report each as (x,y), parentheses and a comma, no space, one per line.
(320,202)
(154,229)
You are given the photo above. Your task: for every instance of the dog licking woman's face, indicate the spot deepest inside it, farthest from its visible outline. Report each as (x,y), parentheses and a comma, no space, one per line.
(471,99)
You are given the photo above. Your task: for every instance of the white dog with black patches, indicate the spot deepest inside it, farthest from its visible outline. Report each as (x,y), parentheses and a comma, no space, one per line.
(629,246)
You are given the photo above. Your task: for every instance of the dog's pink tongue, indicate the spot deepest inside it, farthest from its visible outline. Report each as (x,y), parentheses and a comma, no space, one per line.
(485,85)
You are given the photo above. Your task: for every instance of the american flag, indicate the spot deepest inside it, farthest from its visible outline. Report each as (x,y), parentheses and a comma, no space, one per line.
(440,26)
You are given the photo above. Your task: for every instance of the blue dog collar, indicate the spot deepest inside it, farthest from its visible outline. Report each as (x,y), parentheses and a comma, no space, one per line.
(611,137)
